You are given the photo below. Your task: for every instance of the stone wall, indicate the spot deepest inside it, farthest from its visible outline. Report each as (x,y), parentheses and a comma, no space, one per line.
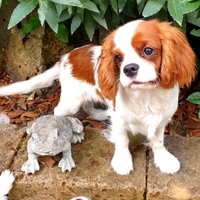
(24,56)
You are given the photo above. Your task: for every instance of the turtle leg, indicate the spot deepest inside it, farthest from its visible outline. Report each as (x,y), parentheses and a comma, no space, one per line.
(67,162)
(31,165)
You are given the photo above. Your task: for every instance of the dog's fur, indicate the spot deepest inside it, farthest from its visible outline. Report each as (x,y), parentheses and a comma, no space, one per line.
(137,73)
(6,182)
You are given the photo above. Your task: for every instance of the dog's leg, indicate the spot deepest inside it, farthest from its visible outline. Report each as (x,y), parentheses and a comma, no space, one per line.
(122,159)
(69,104)
(162,158)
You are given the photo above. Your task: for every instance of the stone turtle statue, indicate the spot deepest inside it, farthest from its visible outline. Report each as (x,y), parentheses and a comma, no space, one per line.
(51,135)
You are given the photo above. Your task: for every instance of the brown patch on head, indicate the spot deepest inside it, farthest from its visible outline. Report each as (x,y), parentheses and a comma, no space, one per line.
(109,68)
(174,58)
(82,66)
(147,37)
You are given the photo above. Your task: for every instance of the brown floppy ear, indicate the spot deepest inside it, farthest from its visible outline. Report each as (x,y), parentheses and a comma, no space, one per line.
(108,70)
(178,59)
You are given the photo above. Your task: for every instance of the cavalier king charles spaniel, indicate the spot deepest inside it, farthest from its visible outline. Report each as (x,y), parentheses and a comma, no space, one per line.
(137,73)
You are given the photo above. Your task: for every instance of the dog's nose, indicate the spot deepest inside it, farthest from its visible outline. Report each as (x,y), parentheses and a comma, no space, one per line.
(131,69)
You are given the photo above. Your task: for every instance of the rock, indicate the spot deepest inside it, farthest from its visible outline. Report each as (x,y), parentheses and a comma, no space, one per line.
(24,54)
(182,185)
(10,138)
(93,176)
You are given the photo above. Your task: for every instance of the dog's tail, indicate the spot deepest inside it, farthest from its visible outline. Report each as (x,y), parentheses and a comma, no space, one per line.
(40,81)
(6,181)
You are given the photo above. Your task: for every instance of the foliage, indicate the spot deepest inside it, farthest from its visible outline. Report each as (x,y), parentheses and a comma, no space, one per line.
(195,98)
(109,14)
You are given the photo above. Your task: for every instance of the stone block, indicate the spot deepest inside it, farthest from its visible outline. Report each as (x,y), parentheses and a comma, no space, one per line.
(10,138)
(93,175)
(185,184)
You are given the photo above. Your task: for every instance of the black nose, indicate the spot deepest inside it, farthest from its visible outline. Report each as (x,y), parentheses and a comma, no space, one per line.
(131,70)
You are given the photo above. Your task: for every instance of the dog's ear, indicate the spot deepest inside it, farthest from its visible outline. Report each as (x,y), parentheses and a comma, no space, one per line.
(178,59)
(108,70)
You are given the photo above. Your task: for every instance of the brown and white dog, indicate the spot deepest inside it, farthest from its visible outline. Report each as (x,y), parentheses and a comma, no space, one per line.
(137,73)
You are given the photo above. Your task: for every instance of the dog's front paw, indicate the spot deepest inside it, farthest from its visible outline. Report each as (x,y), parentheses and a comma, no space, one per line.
(122,162)
(166,161)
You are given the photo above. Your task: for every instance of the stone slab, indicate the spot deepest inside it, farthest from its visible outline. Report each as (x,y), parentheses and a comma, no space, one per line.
(182,185)
(92,177)
(10,138)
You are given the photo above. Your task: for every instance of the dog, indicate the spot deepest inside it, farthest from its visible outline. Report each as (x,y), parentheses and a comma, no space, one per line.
(6,181)
(137,73)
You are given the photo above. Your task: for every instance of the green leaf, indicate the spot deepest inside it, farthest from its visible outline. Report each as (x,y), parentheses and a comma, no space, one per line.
(62,34)
(138,2)
(103,7)
(195,32)
(52,16)
(96,2)
(194,98)
(185,1)
(198,15)
(115,20)
(30,25)
(89,5)
(192,18)
(7,2)
(175,10)
(162,15)
(191,6)
(99,19)
(21,11)
(59,8)
(76,22)
(89,25)
(64,16)
(128,8)
(42,11)
(199,114)
(183,26)
(76,3)
(114,5)
(70,10)
(140,7)
(152,7)
(0,3)
(80,12)
(121,4)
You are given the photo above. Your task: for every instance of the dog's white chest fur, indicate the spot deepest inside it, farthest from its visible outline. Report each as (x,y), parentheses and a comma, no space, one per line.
(140,110)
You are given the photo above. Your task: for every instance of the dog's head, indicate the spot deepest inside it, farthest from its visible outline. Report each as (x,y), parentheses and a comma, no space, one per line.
(145,54)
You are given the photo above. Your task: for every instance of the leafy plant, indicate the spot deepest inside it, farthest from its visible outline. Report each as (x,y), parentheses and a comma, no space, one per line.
(195,98)
(108,13)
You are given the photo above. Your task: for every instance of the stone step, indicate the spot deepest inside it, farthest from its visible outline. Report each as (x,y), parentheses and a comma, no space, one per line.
(94,177)
(185,184)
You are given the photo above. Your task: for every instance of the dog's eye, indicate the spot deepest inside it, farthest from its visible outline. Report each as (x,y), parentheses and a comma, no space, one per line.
(148,51)
(118,58)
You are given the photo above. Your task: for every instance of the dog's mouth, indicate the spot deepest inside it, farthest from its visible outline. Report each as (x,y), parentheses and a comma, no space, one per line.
(154,82)
(145,84)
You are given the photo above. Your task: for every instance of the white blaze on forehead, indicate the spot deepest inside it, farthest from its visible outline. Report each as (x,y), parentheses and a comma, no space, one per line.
(123,39)
(124,35)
